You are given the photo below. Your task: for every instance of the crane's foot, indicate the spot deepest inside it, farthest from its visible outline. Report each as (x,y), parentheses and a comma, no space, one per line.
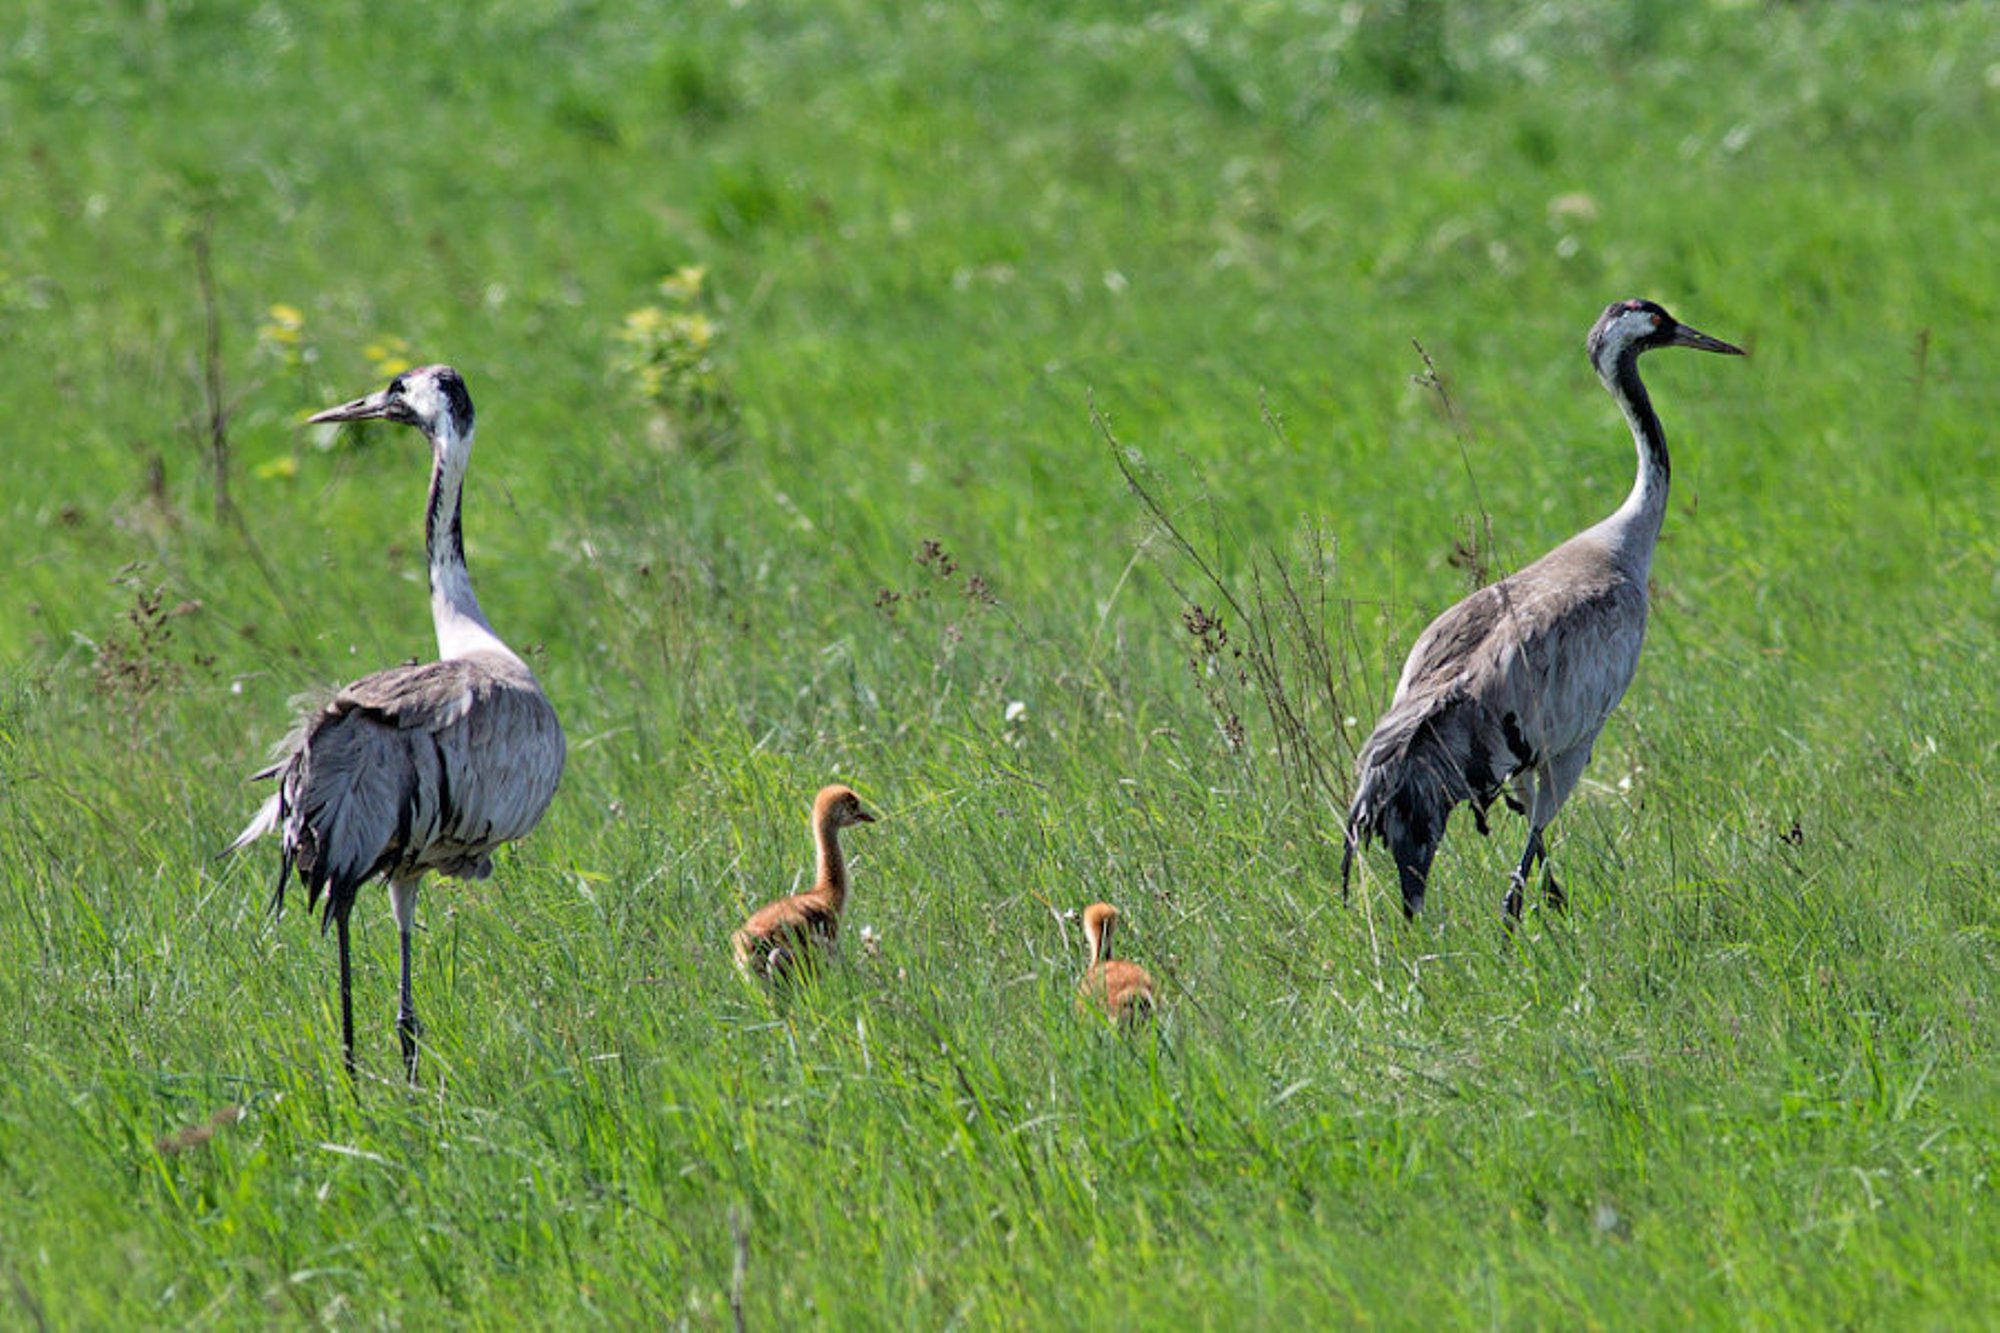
(1510,906)
(1553,897)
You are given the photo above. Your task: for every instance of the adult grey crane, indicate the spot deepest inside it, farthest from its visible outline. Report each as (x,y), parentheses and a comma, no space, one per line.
(420,767)
(1507,690)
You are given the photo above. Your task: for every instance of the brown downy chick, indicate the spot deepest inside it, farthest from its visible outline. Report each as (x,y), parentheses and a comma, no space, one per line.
(783,940)
(1122,990)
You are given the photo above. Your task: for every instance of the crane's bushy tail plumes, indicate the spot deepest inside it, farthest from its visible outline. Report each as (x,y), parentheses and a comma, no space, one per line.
(1425,758)
(272,814)
(335,813)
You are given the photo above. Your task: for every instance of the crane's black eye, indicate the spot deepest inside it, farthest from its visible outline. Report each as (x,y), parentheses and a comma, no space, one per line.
(396,387)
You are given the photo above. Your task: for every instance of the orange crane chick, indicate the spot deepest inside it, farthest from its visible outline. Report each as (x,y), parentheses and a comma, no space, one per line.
(1122,990)
(782,940)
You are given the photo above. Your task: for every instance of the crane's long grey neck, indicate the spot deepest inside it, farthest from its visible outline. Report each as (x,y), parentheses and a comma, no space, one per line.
(462,629)
(1635,527)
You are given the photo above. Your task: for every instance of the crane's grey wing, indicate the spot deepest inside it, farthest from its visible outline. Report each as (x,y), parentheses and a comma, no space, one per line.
(1418,756)
(1450,643)
(425,766)
(479,745)
(500,763)
(427,696)
(1544,656)
(1546,683)
(1521,672)
(1431,750)
(346,778)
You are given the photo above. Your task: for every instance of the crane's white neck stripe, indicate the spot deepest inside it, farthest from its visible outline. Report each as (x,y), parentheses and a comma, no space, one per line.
(462,628)
(1634,528)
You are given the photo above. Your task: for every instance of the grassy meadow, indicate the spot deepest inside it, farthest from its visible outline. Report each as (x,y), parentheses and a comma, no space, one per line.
(808,340)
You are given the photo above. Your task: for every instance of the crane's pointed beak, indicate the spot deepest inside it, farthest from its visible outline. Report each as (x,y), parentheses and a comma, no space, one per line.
(863,817)
(374,406)
(1701,342)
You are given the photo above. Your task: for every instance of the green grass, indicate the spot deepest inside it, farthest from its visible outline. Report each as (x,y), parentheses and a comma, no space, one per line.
(1750,1080)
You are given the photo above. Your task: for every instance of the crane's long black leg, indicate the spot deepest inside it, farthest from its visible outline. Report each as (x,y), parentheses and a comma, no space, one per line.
(403,902)
(1552,893)
(406,1014)
(346,995)
(1516,886)
(1346,864)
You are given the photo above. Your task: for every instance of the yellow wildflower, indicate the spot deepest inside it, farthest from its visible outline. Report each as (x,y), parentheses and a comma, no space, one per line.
(684,283)
(389,355)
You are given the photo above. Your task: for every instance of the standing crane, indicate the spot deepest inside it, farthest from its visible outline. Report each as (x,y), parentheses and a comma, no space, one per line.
(420,767)
(1506,691)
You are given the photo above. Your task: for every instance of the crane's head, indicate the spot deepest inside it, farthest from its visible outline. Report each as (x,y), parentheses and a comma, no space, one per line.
(838,807)
(1627,328)
(431,398)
